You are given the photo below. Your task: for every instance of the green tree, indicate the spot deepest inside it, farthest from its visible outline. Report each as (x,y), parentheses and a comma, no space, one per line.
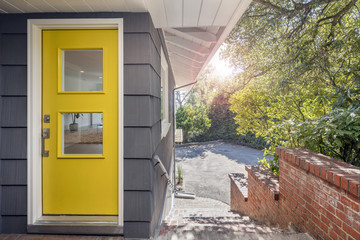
(192,117)
(299,58)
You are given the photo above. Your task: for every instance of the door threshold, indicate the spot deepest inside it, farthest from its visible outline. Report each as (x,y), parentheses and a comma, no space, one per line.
(87,225)
(77,220)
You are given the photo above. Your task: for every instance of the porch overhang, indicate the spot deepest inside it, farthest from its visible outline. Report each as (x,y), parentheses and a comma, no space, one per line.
(193,29)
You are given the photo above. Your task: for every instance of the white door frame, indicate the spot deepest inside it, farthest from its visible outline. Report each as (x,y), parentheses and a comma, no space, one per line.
(34,104)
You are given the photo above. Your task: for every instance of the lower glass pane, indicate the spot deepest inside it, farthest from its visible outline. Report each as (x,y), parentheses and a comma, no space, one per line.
(82,133)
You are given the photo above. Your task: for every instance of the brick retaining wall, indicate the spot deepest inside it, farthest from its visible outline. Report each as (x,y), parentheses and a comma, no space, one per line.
(315,193)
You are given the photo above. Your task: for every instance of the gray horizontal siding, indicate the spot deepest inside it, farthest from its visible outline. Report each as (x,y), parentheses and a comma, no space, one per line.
(13,172)
(139,206)
(138,174)
(13,49)
(13,200)
(13,80)
(137,229)
(14,110)
(141,111)
(137,143)
(13,143)
(14,224)
(163,148)
(156,135)
(140,49)
(135,84)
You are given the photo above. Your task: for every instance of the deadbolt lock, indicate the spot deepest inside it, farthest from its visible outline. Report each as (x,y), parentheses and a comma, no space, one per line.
(46,118)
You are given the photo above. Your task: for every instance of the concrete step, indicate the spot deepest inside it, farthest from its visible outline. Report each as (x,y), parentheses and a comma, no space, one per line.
(204,218)
(214,235)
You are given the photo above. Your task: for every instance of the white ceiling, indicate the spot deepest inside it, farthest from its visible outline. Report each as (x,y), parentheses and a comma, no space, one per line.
(194,29)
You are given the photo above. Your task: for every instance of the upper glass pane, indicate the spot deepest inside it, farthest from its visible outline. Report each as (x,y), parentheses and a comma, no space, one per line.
(82,70)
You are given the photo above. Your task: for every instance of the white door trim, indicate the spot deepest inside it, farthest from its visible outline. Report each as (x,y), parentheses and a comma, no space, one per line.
(34,105)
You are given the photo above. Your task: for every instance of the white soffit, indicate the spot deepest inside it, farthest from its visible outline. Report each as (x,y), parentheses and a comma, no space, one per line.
(193,29)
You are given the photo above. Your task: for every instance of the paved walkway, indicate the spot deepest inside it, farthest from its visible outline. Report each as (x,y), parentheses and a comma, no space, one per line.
(206,167)
(205,218)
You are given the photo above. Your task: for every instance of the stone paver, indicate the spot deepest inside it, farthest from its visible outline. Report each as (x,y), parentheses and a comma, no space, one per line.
(205,218)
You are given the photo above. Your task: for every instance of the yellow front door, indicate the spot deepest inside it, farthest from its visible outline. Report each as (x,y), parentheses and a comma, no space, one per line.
(80,122)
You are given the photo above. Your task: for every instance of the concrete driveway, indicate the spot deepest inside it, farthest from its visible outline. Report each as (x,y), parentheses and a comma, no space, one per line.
(206,167)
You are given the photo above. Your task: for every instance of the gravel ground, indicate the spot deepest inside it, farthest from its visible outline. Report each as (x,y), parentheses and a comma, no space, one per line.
(206,167)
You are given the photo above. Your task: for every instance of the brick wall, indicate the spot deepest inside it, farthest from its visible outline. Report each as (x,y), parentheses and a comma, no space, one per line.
(238,193)
(316,193)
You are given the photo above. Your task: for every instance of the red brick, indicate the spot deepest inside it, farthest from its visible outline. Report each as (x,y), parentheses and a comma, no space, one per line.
(352,197)
(301,163)
(351,231)
(323,173)
(355,206)
(330,177)
(337,179)
(307,166)
(345,183)
(339,231)
(316,205)
(351,238)
(340,206)
(333,219)
(320,194)
(319,231)
(343,217)
(354,188)
(312,168)
(356,226)
(278,151)
(312,210)
(333,192)
(287,157)
(345,201)
(325,220)
(282,155)
(317,170)
(329,207)
(306,198)
(332,234)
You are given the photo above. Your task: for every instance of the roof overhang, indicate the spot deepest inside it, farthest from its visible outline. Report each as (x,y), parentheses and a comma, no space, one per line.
(193,29)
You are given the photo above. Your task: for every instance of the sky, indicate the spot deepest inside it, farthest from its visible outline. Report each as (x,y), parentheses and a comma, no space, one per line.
(222,68)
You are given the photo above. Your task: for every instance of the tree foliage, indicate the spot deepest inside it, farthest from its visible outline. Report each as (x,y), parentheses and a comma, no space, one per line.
(208,102)
(192,116)
(300,58)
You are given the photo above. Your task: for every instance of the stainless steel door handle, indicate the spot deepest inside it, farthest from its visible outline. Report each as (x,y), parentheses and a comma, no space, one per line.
(45,134)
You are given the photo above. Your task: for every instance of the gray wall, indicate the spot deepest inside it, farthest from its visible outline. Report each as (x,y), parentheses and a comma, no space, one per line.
(144,188)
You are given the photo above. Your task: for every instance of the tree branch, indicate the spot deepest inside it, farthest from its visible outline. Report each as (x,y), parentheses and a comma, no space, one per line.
(339,14)
(273,6)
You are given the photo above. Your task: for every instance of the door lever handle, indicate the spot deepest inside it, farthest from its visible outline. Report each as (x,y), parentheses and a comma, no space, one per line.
(45,134)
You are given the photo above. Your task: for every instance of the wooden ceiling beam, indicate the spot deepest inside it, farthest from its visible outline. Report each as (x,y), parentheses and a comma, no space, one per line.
(198,33)
(186,53)
(186,44)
